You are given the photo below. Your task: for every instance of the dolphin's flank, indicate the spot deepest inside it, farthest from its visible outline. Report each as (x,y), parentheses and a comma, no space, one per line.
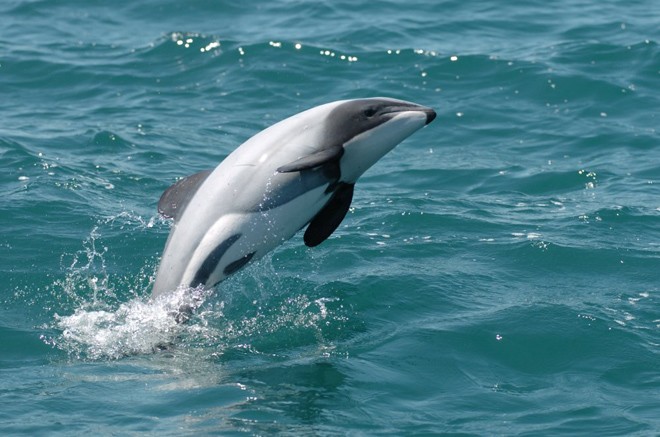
(299,172)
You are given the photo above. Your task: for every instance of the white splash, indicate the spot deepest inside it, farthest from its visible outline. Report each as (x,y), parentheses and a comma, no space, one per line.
(103,325)
(136,327)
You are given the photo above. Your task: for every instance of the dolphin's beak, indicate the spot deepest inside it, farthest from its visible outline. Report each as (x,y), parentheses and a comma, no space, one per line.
(430,115)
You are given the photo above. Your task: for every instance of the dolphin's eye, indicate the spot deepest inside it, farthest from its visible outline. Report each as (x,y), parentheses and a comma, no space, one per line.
(370,112)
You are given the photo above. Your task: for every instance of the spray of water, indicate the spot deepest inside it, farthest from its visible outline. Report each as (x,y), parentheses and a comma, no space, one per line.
(105,324)
(104,316)
(136,327)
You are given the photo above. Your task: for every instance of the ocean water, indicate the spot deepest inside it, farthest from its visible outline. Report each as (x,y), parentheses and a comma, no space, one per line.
(498,273)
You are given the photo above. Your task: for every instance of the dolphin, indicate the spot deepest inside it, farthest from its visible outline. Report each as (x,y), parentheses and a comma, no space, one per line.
(298,172)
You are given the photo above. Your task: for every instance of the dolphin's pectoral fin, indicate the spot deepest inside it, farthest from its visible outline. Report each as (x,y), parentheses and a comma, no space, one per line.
(315,160)
(175,198)
(330,216)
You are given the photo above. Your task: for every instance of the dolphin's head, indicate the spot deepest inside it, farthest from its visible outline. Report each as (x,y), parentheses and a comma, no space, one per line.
(369,128)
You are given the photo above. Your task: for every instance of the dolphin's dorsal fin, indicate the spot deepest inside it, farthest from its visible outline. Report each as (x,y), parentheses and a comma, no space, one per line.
(175,198)
(331,154)
(330,216)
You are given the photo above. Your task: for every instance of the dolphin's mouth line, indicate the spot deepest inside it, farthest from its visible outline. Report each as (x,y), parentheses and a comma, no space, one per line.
(430,113)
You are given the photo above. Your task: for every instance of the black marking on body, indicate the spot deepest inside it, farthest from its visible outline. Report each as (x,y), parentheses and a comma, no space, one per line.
(235,266)
(212,260)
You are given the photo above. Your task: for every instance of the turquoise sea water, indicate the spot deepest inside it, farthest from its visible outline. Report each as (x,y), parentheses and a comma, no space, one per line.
(498,274)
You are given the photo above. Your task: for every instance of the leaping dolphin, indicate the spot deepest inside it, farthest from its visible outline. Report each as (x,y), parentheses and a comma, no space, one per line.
(298,172)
